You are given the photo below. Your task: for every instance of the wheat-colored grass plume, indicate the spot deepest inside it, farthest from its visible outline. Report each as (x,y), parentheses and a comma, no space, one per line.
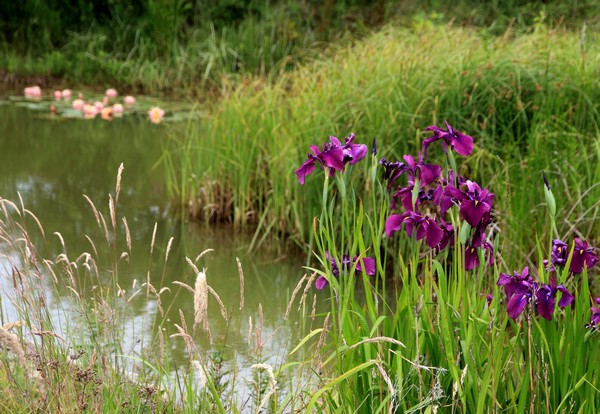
(377,340)
(259,329)
(392,403)
(62,241)
(294,293)
(202,253)
(313,312)
(113,212)
(250,329)
(94,209)
(272,384)
(118,185)
(93,245)
(219,301)
(201,301)
(323,333)
(153,238)
(192,265)
(306,288)
(241,272)
(127,235)
(199,368)
(169,244)
(184,285)
(37,222)
(11,342)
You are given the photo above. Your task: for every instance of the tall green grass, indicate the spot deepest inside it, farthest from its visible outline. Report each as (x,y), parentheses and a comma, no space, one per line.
(423,336)
(529,100)
(73,338)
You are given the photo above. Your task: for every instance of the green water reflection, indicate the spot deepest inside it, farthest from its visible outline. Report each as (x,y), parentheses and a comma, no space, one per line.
(52,163)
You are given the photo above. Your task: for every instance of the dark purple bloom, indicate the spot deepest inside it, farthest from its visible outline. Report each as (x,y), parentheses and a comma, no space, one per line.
(333,155)
(473,201)
(582,256)
(517,302)
(595,317)
(353,153)
(560,252)
(519,290)
(546,295)
(369,263)
(513,283)
(471,257)
(426,227)
(426,173)
(459,142)
(345,265)
(447,236)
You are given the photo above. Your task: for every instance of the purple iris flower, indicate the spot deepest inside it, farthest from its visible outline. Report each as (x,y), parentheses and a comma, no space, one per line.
(582,256)
(459,142)
(473,201)
(546,295)
(477,242)
(345,264)
(353,153)
(427,173)
(560,252)
(518,301)
(471,257)
(595,318)
(513,283)
(426,227)
(519,290)
(333,155)
(447,236)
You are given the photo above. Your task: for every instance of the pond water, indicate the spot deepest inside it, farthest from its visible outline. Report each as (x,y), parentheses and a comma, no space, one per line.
(52,161)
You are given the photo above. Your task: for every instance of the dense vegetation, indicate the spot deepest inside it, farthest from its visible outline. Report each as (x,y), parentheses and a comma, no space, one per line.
(187,47)
(412,326)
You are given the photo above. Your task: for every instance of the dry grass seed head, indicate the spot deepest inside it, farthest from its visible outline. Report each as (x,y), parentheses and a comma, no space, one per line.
(241,272)
(118,185)
(169,244)
(203,253)
(294,293)
(127,234)
(306,288)
(37,222)
(259,329)
(94,209)
(113,212)
(11,342)
(219,301)
(184,285)
(201,301)
(153,238)
(272,384)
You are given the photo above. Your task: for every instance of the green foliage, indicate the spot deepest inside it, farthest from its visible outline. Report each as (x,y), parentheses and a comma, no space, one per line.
(422,337)
(530,101)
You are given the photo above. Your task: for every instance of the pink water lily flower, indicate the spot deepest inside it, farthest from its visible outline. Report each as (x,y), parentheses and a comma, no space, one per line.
(117,108)
(89,111)
(129,100)
(78,104)
(66,93)
(111,93)
(156,114)
(57,95)
(32,92)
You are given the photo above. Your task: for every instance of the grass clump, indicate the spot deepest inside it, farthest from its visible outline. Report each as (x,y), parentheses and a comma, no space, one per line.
(88,332)
(427,319)
(530,101)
